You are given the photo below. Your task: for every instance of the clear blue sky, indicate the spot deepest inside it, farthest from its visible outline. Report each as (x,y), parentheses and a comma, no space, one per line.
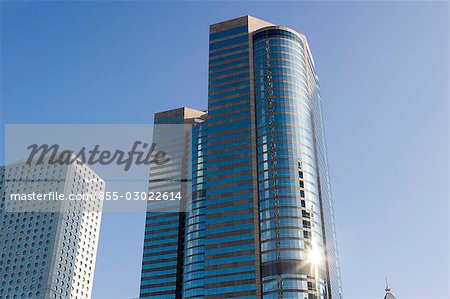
(383,69)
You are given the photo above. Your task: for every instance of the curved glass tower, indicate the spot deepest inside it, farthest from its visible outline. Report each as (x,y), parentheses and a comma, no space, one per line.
(291,166)
(261,222)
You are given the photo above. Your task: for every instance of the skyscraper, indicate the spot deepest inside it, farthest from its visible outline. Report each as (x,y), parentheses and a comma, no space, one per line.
(48,249)
(260,224)
(174,236)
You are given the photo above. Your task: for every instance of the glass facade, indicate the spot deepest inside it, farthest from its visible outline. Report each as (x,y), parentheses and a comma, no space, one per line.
(174,234)
(291,160)
(194,233)
(231,238)
(260,224)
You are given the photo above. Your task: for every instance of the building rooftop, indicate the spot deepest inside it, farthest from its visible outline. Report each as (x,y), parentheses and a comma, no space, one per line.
(252,23)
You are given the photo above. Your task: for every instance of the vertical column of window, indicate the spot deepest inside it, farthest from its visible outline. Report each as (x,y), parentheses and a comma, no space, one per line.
(163,243)
(2,189)
(334,285)
(229,244)
(159,265)
(272,150)
(194,249)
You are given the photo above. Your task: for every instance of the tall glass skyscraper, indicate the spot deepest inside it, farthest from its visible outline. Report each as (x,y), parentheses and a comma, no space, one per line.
(260,224)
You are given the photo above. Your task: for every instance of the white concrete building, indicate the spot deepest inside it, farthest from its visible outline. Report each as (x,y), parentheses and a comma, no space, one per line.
(48,248)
